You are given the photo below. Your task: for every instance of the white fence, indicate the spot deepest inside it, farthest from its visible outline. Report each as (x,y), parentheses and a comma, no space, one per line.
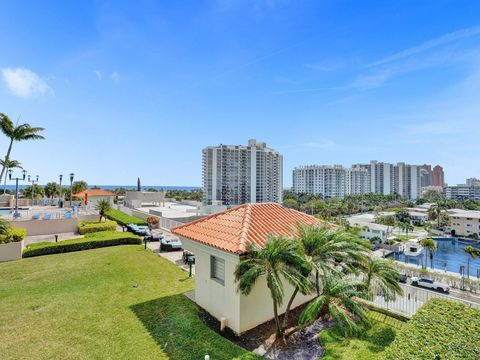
(413,299)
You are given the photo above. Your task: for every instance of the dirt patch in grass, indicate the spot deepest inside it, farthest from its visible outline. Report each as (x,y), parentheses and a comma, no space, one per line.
(301,344)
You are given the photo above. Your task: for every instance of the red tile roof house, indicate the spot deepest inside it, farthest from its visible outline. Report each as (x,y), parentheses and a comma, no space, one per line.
(92,196)
(218,242)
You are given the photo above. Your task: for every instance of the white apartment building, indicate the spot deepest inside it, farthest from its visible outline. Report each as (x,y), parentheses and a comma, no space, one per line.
(330,181)
(407,180)
(462,192)
(239,174)
(376,177)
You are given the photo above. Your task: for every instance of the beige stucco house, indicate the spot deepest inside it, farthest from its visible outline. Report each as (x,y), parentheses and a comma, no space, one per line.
(219,242)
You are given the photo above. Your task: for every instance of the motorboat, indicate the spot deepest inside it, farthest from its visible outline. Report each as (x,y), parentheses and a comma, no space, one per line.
(413,248)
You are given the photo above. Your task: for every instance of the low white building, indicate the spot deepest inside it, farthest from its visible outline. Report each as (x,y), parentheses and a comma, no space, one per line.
(219,242)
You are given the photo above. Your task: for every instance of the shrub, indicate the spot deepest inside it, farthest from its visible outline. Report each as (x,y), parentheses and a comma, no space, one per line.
(91,227)
(124,219)
(90,241)
(441,329)
(13,235)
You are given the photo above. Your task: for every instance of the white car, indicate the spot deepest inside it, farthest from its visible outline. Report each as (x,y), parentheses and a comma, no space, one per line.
(430,284)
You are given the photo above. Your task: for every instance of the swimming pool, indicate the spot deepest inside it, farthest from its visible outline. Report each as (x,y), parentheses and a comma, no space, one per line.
(450,255)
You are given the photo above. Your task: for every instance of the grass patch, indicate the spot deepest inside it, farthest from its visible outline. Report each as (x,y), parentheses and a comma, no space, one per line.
(90,241)
(370,345)
(112,303)
(441,329)
(124,219)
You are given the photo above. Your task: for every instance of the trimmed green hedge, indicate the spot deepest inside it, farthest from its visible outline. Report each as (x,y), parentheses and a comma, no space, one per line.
(441,329)
(90,241)
(92,227)
(13,235)
(124,219)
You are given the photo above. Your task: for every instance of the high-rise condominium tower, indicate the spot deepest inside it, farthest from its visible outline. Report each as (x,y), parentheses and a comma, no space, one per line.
(239,174)
(376,177)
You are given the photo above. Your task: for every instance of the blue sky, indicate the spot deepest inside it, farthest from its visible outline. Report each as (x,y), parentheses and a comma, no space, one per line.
(128,89)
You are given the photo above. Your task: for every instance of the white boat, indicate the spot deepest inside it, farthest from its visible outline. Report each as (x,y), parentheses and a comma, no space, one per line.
(413,248)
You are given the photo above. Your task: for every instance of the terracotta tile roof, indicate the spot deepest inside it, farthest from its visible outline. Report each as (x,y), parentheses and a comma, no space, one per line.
(232,229)
(94,192)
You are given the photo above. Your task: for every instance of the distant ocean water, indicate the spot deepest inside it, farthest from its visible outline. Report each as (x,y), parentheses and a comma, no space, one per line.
(128,187)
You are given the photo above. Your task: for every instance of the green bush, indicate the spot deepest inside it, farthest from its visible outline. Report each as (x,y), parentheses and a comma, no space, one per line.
(92,227)
(441,329)
(13,235)
(124,219)
(90,241)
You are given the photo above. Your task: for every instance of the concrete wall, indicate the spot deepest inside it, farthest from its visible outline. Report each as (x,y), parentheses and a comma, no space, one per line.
(219,300)
(54,226)
(257,307)
(11,251)
(242,312)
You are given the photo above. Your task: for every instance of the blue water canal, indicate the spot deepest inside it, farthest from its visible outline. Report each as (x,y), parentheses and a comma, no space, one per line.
(450,255)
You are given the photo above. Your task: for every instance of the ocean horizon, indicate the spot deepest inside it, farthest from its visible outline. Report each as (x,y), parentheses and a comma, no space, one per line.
(127,187)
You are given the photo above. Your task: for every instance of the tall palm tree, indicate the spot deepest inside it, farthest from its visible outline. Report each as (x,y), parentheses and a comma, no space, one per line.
(279,260)
(17,133)
(474,253)
(431,246)
(338,301)
(405,226)
(103,206)
(10,164)
(381,276)
(435,211)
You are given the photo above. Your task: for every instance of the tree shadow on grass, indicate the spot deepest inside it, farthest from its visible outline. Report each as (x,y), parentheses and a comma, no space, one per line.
(174,323)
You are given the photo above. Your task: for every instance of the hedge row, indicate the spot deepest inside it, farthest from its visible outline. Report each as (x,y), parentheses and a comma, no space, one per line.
(90,241)
(441,329)
(124,219)
(13,235)
(92,227)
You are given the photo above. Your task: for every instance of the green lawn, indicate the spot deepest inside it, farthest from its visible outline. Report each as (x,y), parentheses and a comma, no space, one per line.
(368,346)
(111,303)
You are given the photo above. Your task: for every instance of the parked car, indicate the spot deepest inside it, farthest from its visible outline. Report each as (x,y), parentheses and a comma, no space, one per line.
(171,244)
(430,284)
(403,278)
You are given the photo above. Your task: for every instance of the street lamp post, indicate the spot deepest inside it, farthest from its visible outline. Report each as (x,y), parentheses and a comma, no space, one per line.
(33,182)
(60,196)
(71,188)
(24,173)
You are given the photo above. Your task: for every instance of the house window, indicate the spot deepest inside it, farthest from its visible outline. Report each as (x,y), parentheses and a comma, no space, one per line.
(217,269)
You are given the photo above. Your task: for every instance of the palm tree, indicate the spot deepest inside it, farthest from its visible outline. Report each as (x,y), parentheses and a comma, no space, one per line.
(280,259)
(431,246)
(381,276)
(435,211)
(10,164)
(51,190)
(338,301)
(16,133)
(405,226)
(474,253)
(103,206)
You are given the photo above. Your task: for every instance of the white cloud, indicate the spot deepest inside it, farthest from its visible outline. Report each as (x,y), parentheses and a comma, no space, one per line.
(24,82)
(115,76)
(442,40)
(98,74)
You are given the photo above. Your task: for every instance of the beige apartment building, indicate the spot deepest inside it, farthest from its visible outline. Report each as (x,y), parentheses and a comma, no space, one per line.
(464,222)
